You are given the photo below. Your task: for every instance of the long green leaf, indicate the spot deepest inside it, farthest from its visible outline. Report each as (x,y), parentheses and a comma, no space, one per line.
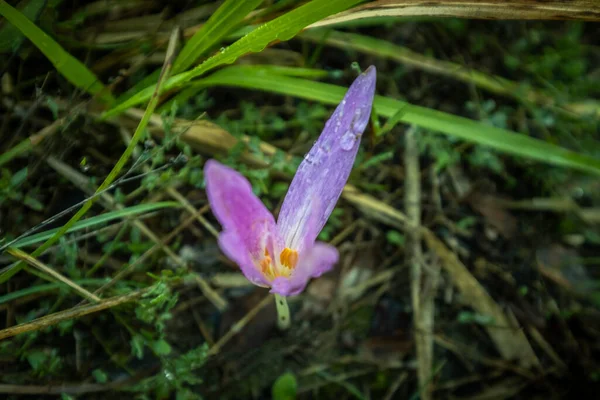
(261,78)
(68,66)
(10,37)
(97,220)
(282,28)
(183,96)
(221,23)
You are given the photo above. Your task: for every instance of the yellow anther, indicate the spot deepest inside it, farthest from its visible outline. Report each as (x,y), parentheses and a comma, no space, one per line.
(266,266)
(289,258)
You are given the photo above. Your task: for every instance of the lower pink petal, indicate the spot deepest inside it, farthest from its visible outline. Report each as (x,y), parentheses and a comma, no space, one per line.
(322,257)
(315,262)
(234,249)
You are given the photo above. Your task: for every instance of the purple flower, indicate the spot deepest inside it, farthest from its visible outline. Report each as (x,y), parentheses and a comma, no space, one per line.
(285,255)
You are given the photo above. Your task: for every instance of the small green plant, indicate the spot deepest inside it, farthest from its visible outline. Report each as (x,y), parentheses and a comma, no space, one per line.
(177,376)
(285,387)
(44,362)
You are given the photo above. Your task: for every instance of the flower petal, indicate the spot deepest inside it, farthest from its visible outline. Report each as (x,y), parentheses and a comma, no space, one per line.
(322,258)
(235,250)
(317,260)
(325,169)
(249,229)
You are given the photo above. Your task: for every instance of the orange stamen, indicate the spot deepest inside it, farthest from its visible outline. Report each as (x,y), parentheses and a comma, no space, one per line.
(289,258)
(266,266)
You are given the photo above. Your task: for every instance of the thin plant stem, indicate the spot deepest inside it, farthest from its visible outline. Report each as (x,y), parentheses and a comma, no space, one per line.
(283,312)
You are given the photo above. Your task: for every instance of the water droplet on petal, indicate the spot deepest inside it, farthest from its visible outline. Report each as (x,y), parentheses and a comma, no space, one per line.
(348,141)
(338,123)
(317,155)
(358,124)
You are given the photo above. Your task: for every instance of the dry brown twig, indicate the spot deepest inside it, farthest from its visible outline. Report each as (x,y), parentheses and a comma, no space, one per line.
(421,278)
(72,313)
(21,255)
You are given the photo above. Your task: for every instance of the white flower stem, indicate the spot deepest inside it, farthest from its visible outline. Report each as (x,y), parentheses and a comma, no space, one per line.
(283,312)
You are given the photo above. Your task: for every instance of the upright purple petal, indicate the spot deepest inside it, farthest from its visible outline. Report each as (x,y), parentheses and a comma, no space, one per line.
(321,177)
(248,227)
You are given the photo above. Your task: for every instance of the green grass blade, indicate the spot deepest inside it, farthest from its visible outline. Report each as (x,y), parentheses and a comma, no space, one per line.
(68,66)
(17,294)
(257,77)
(13,152)
(97,220)
(282,28)
(10,36)
(221,23)
(184,96)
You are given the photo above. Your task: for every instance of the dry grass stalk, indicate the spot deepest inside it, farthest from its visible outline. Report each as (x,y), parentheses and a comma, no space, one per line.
(582,10)
(423,280)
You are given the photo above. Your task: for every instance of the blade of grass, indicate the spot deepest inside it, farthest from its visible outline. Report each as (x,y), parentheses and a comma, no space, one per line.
(183,96)
(28,291)
(138,134)
(10,37)
(95,221)
(71,68)
(256,77)
(221,23)
(282,28)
